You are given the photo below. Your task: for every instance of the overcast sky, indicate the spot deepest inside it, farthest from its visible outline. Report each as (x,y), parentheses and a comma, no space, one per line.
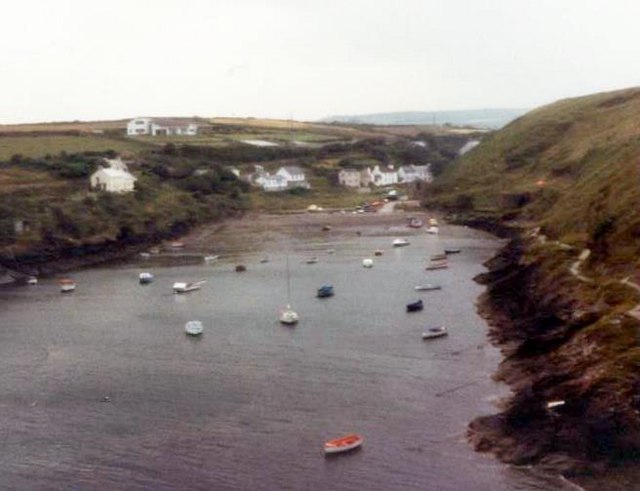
(64,60)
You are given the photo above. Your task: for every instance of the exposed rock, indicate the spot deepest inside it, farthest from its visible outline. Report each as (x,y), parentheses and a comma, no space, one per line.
(557,346)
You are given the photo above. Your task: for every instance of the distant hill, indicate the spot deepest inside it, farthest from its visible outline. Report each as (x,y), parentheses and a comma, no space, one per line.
(480,118)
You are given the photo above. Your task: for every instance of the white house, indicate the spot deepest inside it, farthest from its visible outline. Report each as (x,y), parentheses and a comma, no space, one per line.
(272,182)
(411,173)
(384,177)
(366,177)
(293,174)
(162,126)
(112,180)
(350,178)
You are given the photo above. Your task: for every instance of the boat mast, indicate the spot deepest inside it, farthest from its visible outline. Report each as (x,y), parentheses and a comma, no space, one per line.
(288,283)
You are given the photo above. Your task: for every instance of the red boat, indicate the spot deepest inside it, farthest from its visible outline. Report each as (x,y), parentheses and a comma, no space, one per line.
(342,444)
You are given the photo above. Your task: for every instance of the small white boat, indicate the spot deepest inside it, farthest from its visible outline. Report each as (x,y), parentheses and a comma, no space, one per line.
(193,328)
(434,332)
(264,260)
(145,278)
(367,263)
(66,285)
(428,287)
(558,403)
(289,316)
(32,280)
(145,255)
(342,444)
(312,260)
(433,229)
(400,242)
(211,259)
(438,257)
(176,244)
(331,251)
(181,287)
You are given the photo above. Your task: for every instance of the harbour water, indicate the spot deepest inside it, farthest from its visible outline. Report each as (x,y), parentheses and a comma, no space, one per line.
(102,389)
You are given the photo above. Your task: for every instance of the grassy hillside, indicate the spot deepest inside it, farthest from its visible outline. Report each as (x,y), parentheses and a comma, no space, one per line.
(571,167)
(39,145)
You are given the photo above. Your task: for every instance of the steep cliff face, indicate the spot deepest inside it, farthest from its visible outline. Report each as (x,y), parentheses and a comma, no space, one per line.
(571,358)
(563,299)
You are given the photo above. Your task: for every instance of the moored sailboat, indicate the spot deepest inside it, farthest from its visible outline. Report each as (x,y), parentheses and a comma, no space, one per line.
(288,316)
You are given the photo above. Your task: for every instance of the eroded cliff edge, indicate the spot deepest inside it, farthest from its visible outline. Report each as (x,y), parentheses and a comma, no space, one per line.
(571,357)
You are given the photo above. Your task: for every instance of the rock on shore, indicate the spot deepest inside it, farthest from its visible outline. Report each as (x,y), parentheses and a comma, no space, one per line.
(571,360)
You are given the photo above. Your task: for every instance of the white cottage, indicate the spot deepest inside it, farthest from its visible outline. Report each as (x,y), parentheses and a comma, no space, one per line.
(349,178)
(384,177)
(162,126)
(112,180)
(271,182)
(411,173)
(293,174)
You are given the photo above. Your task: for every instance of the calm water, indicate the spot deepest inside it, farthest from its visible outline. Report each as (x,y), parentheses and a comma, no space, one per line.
(248,404)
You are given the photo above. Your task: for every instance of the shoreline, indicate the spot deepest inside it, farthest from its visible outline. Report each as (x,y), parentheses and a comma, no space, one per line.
(204,238)
(556,350)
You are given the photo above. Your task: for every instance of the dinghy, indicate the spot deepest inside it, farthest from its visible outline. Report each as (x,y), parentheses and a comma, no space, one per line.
(428,287)
(66,285)
(434,332)
(181,287)
(193,328)
(400,242)
(415,306)
(145,278)
(325,291)
(342,444)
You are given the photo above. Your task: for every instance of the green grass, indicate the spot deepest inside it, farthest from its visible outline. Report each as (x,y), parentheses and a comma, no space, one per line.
(575,161)
(41,145)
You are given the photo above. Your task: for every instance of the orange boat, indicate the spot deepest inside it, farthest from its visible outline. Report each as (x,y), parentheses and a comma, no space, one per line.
(342,444)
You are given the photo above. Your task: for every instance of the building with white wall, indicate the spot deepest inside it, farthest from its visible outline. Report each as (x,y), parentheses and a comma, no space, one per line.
(112,180)
(349,178)
(162,127)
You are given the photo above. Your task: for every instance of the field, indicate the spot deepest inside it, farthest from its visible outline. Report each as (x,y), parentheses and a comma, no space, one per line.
(30,145)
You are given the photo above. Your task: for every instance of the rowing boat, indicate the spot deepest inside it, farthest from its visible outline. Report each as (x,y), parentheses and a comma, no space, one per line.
(342,444)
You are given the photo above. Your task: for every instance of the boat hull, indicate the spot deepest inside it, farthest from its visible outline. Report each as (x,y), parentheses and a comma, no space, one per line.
(434,334)
(415,306)
(193,328)
(187,287)
(344,444)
